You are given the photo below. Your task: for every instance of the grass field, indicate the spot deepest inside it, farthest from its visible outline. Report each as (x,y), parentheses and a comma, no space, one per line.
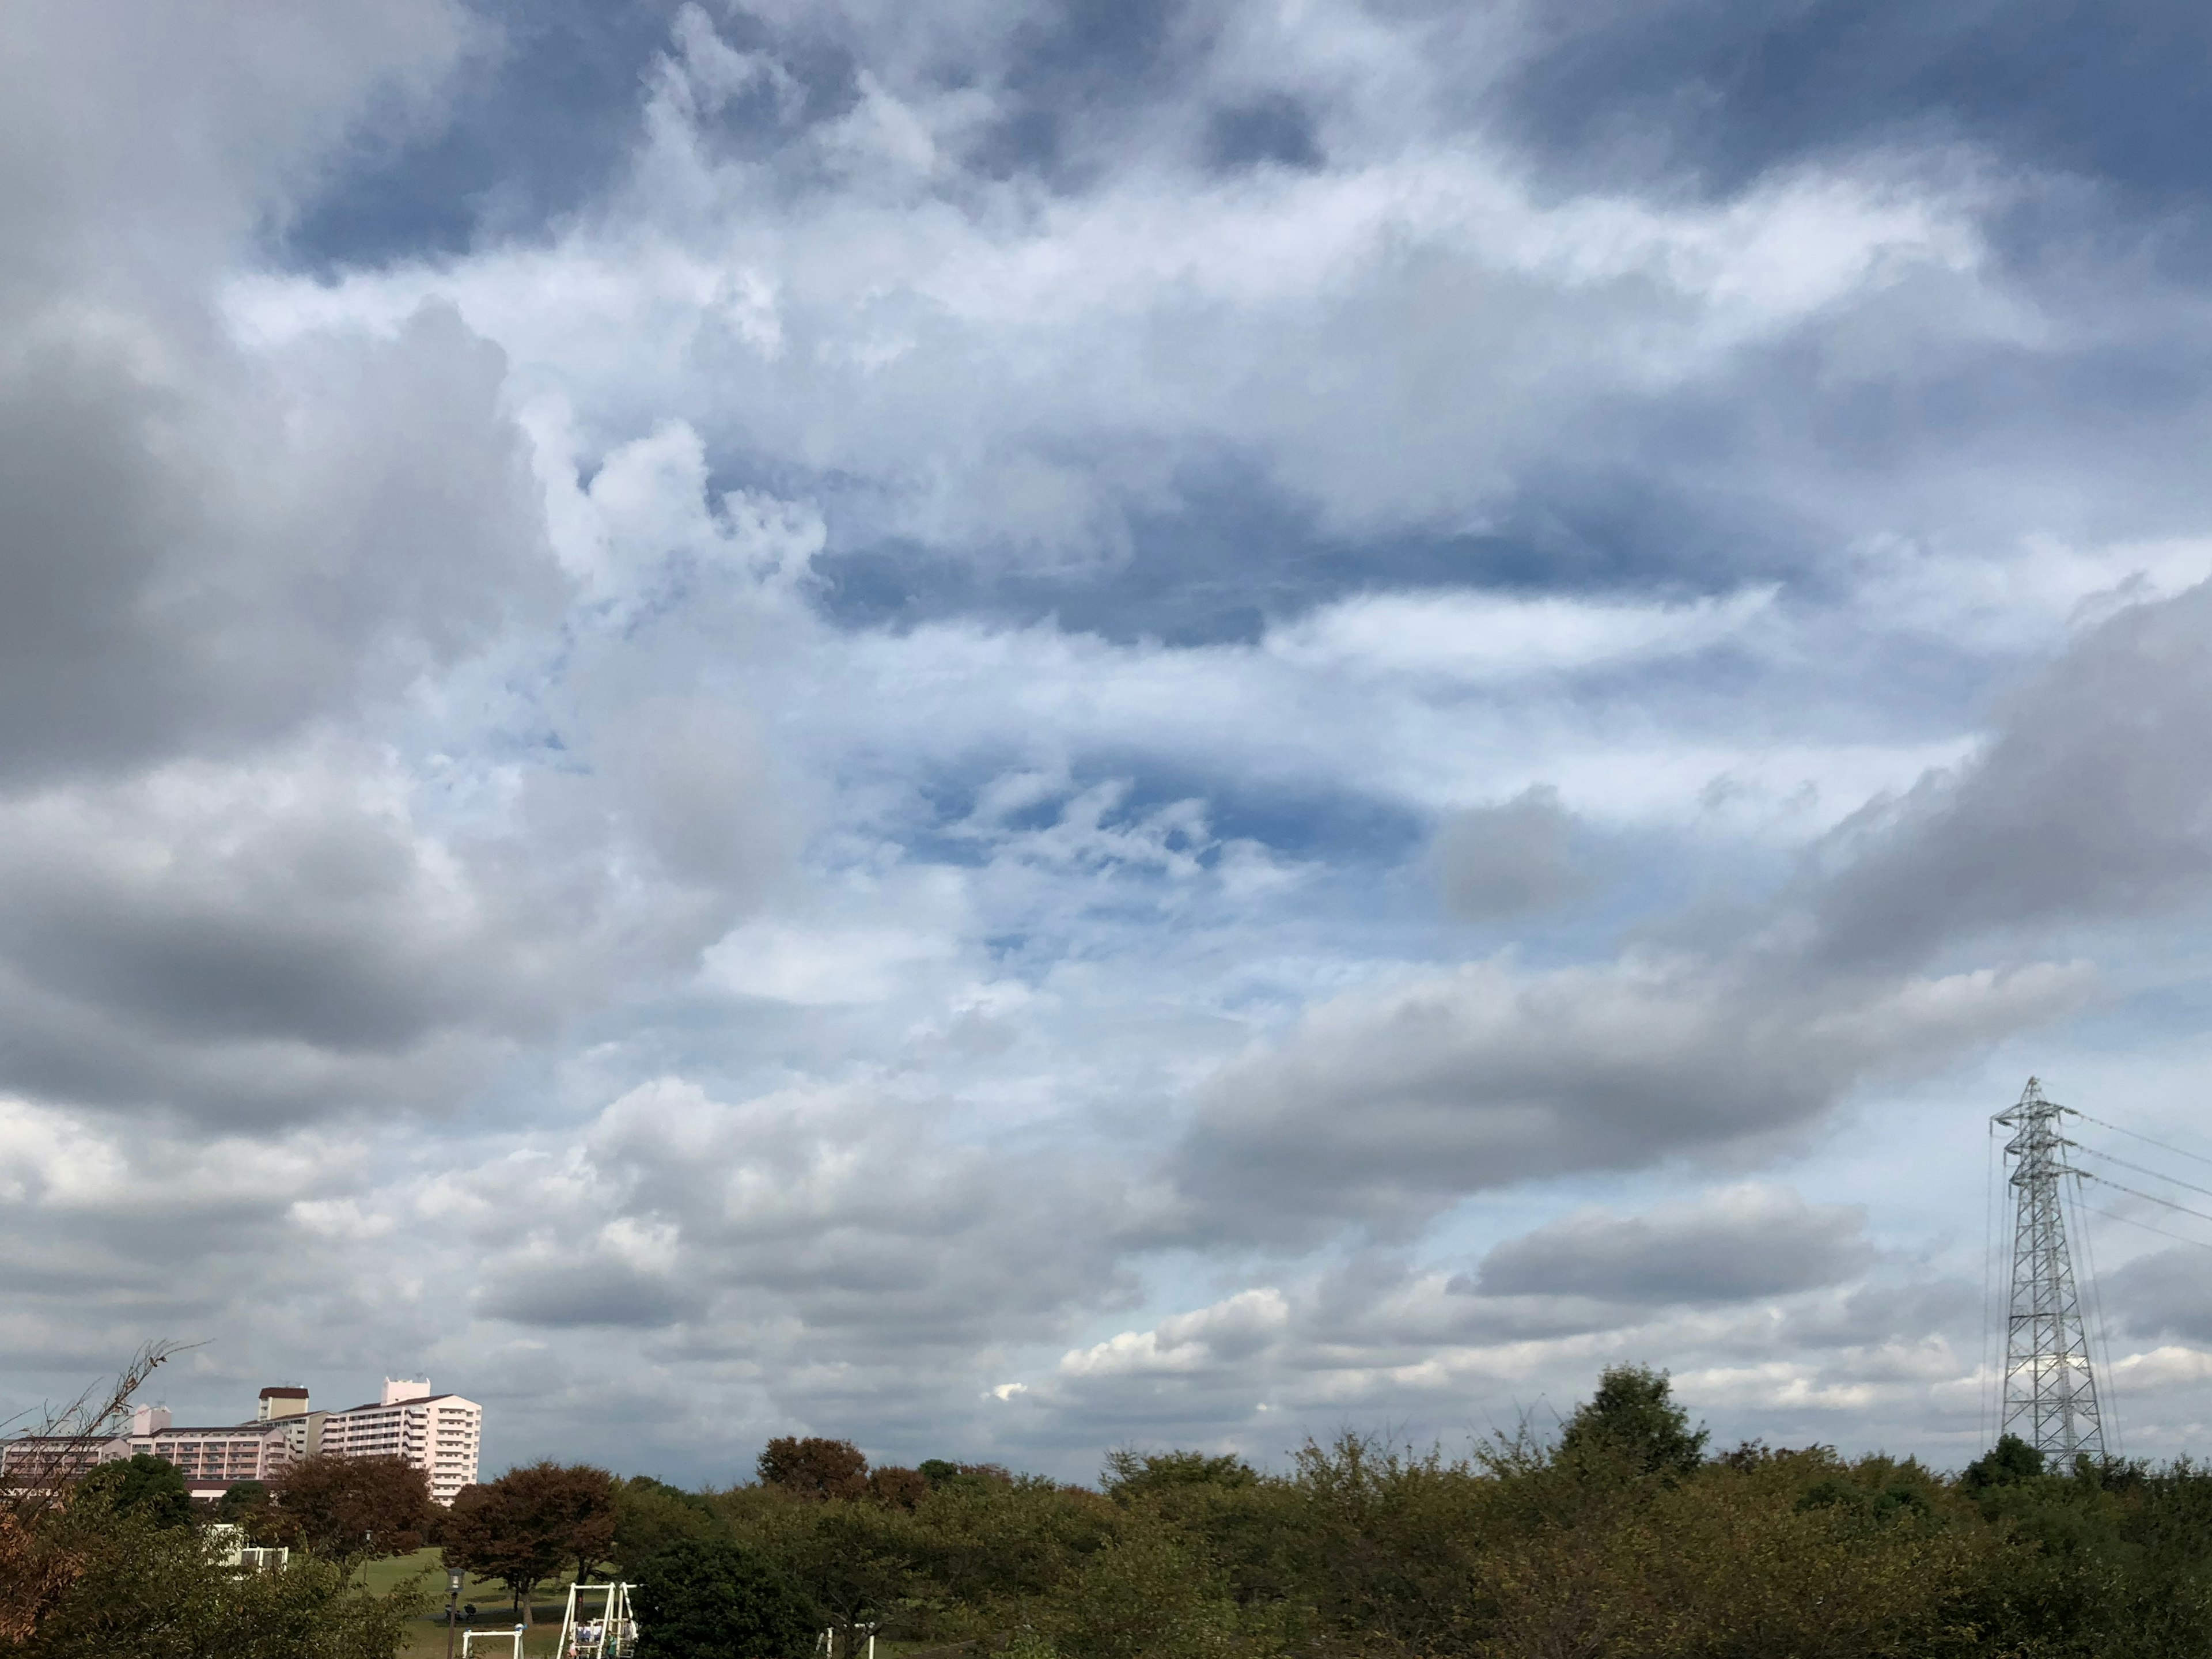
(426,1637)
(495,1609)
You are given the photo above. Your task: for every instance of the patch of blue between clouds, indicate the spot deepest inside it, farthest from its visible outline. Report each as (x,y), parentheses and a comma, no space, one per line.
(1236,553)
(537,127)
(1339,828)
(1077,65)
(1278,129)
(1719,91)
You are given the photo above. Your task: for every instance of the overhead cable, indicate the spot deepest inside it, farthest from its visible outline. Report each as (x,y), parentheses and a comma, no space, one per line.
(2128,1220)
(2149,1197)
(2178,1152)
(2139,1169)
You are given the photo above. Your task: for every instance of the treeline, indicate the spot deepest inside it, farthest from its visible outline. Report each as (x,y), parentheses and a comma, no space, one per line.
(1621,1538)
(1624,1536)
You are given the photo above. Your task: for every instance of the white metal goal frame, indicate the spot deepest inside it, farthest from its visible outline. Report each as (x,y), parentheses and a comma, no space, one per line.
(512,1637)
(606,1630)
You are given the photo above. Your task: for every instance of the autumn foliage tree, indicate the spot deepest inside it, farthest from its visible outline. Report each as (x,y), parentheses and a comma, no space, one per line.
(341,1507)
(814,1468)
(523,1527)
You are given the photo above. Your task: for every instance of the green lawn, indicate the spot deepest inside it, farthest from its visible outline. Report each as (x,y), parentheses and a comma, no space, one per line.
(495,1608)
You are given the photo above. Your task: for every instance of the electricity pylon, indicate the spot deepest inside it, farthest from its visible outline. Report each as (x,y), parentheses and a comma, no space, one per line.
(2049,1390)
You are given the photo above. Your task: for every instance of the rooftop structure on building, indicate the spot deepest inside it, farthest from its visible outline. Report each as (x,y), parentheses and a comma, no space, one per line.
(439,1433)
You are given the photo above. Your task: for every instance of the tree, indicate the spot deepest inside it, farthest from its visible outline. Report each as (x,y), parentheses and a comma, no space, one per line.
(241,1503)
(522,1527)
(651,1515)
(1632,1422)
(143,1484)
(155,1592)
(342,1507)
(899,1488)
(971,1476)
(815,1468)
(706,1598)
(70,1435)
(2007,1463)
(1128,1473)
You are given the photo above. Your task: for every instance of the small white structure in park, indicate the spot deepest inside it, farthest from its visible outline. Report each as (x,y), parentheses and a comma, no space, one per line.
(600,1628)
(512,1637)
(227,1541)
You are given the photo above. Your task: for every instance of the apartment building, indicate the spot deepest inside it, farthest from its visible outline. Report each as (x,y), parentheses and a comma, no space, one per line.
(212,1459)
(439,1433)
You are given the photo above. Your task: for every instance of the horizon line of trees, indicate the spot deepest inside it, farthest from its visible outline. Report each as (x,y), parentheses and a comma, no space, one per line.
(1624,1535)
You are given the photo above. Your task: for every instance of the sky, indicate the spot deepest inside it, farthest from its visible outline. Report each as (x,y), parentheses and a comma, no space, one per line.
(1029,725)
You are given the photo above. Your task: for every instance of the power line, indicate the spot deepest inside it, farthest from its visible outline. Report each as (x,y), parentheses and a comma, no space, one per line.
(2150,1197)
(2159,1175)
(2099,1332)
(2128,1220)
(2178,1152)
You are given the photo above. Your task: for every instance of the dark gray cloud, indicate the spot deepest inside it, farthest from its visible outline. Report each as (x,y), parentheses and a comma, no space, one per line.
(1386,1108)
(196,567)
(1729,1246)
(1511,858)
(2165,1295)
(2093,800)
(561,1294)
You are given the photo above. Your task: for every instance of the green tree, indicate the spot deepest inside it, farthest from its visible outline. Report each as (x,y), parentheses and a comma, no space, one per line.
(1129,1474)
(1147,1594)
(651,1515)
(241,1503)
(707,1598)
(1632,1422)
(2007,1463)
(155,1592)
(143,1484)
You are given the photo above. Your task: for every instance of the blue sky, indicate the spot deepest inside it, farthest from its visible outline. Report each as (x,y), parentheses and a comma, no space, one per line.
(1013,728)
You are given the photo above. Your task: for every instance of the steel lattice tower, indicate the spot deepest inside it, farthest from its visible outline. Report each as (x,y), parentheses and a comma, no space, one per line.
(2049,1389)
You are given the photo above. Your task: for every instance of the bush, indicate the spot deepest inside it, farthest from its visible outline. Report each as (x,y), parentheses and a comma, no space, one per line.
(706,1598)
(159,1592)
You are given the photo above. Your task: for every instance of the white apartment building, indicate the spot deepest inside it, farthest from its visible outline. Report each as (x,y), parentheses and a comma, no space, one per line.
(439,1433)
